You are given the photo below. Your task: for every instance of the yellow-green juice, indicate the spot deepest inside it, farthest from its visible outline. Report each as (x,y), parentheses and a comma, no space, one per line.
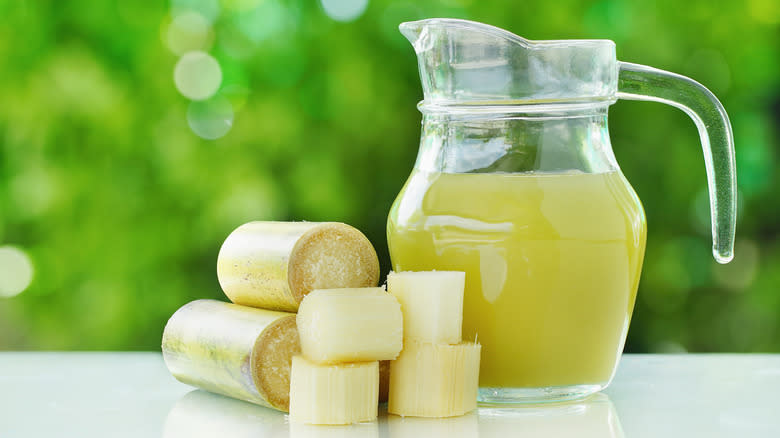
(552,264)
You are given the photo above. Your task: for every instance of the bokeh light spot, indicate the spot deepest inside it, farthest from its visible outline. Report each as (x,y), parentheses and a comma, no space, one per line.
(187,32)
(210,119)
(197,75)
(344,10)
(16,271)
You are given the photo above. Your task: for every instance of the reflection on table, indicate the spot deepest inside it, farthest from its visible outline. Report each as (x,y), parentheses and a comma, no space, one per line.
(202,414)
(592,417)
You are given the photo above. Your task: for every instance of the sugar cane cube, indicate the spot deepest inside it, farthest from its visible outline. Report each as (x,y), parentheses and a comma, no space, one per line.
(434,380)
(350,325)
(432,304)
(333,394)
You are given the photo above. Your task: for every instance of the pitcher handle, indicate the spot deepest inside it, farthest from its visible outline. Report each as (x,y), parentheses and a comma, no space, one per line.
(640,82)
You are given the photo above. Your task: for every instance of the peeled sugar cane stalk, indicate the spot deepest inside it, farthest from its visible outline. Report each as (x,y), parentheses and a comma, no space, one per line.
(273,265)
(432,304)
(350,325)
(233,350)
(434,380)
(333,394)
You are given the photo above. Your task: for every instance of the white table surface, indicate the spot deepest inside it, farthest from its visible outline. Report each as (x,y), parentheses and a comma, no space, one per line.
(132,395)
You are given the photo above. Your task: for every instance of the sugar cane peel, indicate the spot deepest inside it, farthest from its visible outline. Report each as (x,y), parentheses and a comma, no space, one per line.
(233,350)
(273,265)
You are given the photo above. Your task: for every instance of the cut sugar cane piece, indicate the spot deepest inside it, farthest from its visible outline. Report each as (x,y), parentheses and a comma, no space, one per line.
(350,325)
(273,265)
(333,394)
(434,380)
(432,304)
(233,350)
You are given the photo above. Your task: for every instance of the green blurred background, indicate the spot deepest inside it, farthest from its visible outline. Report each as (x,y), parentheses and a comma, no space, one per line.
(117,190)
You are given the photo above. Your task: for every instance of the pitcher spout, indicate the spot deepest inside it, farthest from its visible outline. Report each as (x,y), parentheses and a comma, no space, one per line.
(421,32)
(465,62)
(412,30)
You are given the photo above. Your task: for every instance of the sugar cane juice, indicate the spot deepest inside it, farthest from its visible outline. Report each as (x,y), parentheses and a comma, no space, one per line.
(552,264)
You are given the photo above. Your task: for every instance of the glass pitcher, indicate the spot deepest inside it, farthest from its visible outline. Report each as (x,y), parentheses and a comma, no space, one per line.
(516,184)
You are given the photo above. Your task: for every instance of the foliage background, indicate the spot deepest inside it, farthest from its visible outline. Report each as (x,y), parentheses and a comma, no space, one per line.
(122,208)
